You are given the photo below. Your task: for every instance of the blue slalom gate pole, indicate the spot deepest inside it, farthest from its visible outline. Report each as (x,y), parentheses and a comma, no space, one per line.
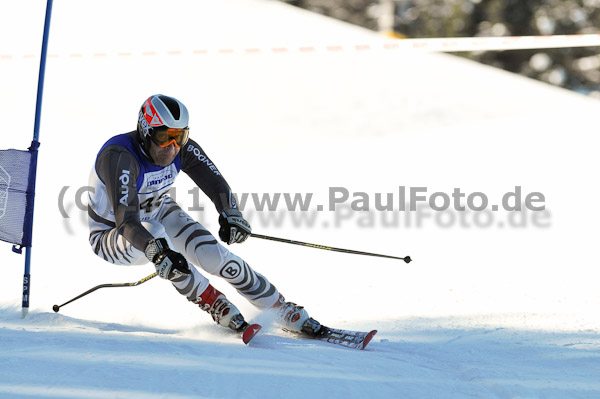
(33,165)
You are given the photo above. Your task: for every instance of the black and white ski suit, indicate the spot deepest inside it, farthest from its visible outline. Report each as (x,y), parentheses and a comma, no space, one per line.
(130,205)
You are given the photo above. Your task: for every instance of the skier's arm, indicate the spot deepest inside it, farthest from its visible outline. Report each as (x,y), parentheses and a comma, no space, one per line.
(194,162)
(118,170)
(205,174)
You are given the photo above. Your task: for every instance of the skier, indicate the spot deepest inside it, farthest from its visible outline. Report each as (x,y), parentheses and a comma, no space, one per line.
(133,219)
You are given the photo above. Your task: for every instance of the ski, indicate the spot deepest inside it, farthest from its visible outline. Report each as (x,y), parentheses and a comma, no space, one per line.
(350,339)
(347,338)
(249,331)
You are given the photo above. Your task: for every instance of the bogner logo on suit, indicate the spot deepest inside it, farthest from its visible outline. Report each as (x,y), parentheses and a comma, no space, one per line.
(203,158)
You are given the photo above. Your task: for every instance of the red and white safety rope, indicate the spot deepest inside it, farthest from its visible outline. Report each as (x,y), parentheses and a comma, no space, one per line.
(447,45)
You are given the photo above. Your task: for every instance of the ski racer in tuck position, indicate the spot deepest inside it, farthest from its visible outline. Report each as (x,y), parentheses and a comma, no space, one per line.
(133,220)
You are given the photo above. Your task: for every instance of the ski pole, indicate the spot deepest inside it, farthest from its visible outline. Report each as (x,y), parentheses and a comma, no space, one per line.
(56,308)
(406,259)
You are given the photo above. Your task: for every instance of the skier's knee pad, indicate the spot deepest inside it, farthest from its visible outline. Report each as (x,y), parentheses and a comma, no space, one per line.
(212,257)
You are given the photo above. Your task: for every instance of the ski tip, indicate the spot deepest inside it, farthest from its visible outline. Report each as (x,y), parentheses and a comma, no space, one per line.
(368,338)
(250,332)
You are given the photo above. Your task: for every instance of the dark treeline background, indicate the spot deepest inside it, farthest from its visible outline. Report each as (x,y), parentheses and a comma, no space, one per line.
(576,69)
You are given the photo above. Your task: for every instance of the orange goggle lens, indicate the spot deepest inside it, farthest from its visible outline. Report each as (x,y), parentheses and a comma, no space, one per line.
(163,137)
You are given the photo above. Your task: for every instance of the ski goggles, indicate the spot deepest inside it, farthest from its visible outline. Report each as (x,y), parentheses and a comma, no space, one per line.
(163,136)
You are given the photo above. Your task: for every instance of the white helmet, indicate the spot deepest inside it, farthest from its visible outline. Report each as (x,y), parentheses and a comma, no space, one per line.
(160,114)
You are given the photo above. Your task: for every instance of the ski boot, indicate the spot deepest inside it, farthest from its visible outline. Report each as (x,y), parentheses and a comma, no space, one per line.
(221,309)
(295,318)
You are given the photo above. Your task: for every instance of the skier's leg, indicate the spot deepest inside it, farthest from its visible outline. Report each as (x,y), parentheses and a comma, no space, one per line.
(114,248)
(200,246)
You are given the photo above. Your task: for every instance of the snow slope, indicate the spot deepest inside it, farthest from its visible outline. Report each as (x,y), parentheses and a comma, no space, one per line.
(495,305)
(412,359)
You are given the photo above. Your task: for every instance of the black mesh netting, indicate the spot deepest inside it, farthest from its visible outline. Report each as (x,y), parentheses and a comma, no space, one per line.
(16,203)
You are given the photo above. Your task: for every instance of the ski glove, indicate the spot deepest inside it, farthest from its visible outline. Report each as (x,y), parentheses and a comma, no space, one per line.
(234,228)
(169,264)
